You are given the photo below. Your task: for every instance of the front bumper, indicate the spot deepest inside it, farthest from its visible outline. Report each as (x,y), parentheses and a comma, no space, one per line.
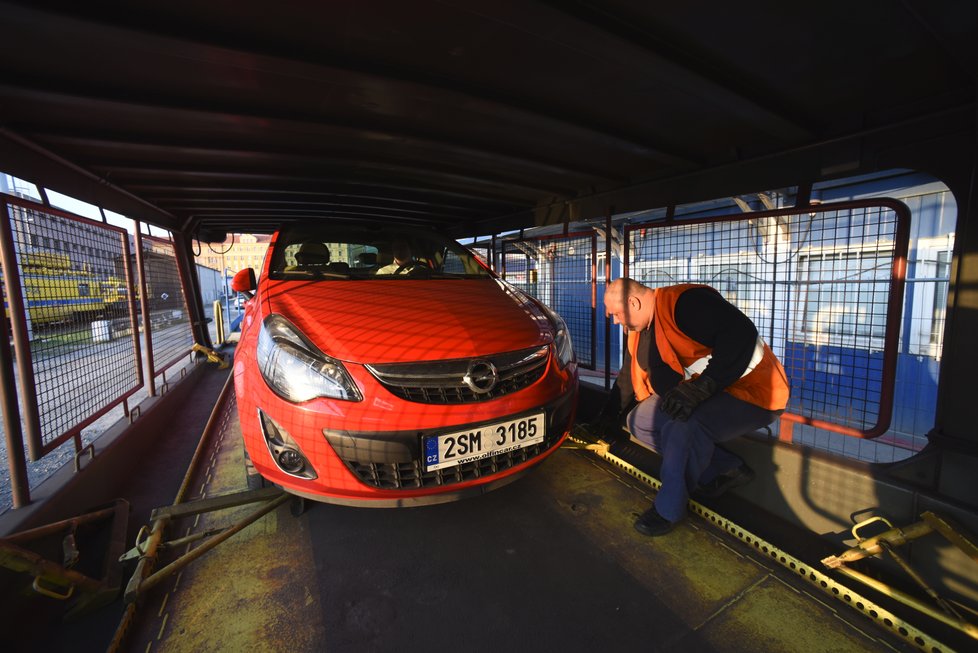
(393,460)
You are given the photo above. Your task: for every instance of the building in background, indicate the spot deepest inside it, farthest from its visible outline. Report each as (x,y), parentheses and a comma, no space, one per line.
(237,252)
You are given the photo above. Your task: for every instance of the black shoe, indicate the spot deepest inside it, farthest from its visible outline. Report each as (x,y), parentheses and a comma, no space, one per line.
(652,523)
(726,481)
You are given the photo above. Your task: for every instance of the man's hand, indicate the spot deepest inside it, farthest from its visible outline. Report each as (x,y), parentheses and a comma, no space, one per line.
(680,402)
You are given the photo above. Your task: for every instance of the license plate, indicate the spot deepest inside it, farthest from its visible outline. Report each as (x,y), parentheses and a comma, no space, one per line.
(460,447)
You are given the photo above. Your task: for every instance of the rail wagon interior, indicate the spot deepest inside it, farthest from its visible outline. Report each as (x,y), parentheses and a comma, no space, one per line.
(814,162)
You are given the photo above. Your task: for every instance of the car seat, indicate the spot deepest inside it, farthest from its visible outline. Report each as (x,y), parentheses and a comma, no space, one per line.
(312,255)
(366,259)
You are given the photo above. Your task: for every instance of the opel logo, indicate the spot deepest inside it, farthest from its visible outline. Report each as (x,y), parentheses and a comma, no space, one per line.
(481,376)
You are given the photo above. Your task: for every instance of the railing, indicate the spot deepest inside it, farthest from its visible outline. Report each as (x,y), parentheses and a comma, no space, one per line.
(79,326)
(560,272)
(172,336)
(824,286)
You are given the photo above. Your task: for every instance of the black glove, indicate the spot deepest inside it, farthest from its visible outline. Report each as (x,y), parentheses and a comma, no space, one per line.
(680,402)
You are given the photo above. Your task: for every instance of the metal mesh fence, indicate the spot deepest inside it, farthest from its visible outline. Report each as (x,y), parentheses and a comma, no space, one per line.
(817,285)
(559,271)
(74,290)
(169,319)
(483,254)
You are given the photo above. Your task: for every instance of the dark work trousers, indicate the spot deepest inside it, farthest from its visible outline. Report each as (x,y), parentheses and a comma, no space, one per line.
(689,454)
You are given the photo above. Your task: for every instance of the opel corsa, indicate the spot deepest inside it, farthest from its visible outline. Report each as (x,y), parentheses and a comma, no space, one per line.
(391,367)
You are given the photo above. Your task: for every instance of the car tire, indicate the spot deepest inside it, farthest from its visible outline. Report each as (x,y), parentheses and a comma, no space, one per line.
(255,480)
(299,505)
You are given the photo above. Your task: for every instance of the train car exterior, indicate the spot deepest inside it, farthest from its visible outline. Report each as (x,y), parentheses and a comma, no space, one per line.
(56,294)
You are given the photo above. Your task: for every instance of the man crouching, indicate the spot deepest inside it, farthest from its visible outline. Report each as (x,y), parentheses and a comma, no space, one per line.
(700,375)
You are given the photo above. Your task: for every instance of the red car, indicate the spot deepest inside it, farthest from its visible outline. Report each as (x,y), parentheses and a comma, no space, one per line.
(390,367)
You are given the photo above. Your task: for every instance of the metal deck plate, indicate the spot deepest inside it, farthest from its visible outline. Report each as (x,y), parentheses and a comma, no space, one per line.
(550,562)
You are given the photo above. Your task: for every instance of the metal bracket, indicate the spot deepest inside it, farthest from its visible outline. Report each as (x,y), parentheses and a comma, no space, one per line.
(90,448)
(872,520)
(142,545)
(140,548)
(51,594)
(212,356)
(69,549)
(953,535)
(894,537)
(48,575)
(147,550)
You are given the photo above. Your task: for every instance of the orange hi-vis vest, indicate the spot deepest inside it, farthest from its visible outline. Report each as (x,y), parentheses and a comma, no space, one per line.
(763,384)
(641,384)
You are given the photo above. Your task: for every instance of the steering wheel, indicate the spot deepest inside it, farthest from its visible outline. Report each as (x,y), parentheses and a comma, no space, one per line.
(411,266)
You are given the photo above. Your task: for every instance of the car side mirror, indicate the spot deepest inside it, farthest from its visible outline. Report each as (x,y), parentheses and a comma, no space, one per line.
(244,282)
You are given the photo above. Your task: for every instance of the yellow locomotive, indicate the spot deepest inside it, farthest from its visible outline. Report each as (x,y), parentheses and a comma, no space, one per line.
(54,293)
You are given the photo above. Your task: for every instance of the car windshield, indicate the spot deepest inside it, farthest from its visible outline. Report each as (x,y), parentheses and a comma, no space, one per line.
(357,252)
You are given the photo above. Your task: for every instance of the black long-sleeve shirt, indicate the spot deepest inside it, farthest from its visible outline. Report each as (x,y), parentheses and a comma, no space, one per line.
(706,317)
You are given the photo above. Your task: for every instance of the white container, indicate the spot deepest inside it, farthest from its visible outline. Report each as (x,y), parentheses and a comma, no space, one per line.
(101,331)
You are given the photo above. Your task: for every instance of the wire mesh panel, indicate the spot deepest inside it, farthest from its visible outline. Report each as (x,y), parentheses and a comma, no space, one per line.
(78,320)
(922,338)
(169,319)
(824,289)
(519,262)
(483,254)
(559,271)
(609,341)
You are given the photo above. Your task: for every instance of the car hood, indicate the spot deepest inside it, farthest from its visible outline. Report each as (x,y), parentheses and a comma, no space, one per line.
(404,320)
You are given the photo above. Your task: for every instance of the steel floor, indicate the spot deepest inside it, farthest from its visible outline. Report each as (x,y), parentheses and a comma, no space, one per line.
(548,563)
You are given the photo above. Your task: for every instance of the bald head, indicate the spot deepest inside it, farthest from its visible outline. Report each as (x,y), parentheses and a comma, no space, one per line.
(629,303)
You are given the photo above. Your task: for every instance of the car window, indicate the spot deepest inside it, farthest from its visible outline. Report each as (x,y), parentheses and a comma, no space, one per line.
(364,253)
(454,263)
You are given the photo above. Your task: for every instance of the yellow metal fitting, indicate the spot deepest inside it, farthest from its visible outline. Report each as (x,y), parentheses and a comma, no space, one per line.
(874,545)
(212,356)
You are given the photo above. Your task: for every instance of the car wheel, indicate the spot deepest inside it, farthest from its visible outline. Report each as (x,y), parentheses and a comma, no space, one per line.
(299,505)
(255,480)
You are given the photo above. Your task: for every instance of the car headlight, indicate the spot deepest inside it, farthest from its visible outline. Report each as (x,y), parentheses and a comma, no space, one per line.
(295,369)
(563,346)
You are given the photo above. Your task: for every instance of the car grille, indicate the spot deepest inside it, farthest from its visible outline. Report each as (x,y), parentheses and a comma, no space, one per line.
(407,475)
(443,382)
(391,461)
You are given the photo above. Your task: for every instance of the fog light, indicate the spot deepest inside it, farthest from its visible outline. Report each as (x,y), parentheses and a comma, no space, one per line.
(284,449)
(291,461)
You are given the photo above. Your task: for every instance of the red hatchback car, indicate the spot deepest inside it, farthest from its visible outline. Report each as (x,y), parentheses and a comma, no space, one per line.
(390,367)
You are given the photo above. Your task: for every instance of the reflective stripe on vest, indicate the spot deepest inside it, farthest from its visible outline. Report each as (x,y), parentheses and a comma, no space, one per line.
(697,366)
